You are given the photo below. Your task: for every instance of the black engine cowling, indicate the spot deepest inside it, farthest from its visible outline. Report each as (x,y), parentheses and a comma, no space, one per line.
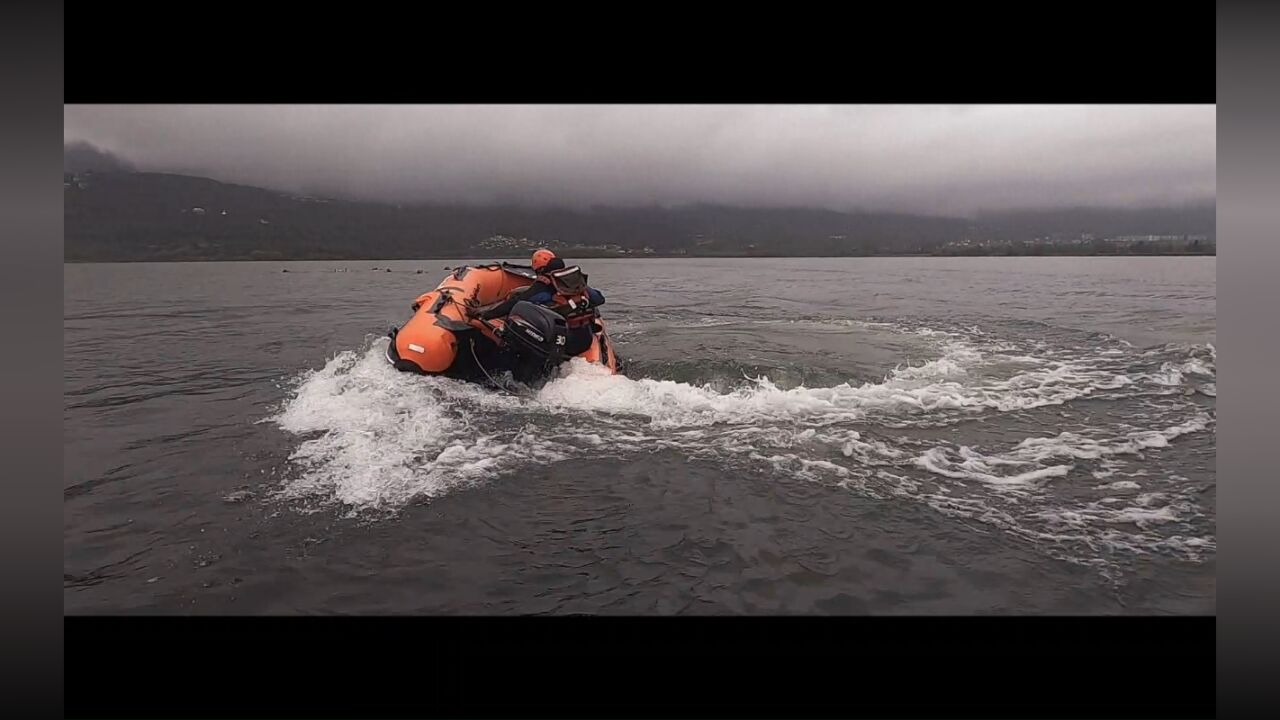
(536,333)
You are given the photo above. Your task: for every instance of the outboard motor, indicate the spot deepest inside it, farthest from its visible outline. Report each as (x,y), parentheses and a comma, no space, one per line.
(536,336)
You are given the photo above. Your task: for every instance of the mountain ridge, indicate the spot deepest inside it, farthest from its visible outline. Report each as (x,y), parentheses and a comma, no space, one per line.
(125,215)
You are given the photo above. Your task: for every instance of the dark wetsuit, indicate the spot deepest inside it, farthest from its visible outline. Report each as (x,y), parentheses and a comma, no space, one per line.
(579,339)
(503,309)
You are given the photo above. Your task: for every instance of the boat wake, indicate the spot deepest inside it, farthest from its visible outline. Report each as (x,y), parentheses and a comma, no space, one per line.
(1085,486)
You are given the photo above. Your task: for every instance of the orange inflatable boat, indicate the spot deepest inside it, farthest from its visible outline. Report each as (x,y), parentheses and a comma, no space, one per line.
(443,338)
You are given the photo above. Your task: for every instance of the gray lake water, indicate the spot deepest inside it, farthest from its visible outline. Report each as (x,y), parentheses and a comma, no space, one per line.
(833,436)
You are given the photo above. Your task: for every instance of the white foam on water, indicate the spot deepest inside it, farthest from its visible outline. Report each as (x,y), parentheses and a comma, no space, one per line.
(973,466)
(371,438)
(1073,445)
(374,438)
(870,451)
(958,358)
(1199,360)
(938,385)
(380,442)
(1093,533)
(802,467)
(1146,512)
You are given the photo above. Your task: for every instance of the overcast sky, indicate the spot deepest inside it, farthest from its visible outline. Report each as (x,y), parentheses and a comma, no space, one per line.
(919,158)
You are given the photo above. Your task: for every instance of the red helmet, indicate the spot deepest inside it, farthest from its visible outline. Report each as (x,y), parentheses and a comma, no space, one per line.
(541,257)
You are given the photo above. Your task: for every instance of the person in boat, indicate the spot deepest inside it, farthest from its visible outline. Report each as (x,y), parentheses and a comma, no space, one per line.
(563,289)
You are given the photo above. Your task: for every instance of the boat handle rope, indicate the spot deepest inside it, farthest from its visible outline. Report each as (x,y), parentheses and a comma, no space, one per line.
(500,386)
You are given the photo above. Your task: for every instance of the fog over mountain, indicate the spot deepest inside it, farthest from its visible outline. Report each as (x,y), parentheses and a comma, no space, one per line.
(80,156)
(931,160)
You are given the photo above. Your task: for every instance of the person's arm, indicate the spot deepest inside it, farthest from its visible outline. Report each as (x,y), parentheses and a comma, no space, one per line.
(597,297)
(499,310)
(503,308)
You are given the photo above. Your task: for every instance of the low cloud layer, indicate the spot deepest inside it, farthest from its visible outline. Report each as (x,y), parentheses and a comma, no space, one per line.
(930,159)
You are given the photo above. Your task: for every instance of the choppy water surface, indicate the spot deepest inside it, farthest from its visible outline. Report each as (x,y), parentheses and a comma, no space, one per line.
(967,435)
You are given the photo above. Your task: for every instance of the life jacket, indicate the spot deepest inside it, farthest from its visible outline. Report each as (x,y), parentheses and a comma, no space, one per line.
(570,298)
